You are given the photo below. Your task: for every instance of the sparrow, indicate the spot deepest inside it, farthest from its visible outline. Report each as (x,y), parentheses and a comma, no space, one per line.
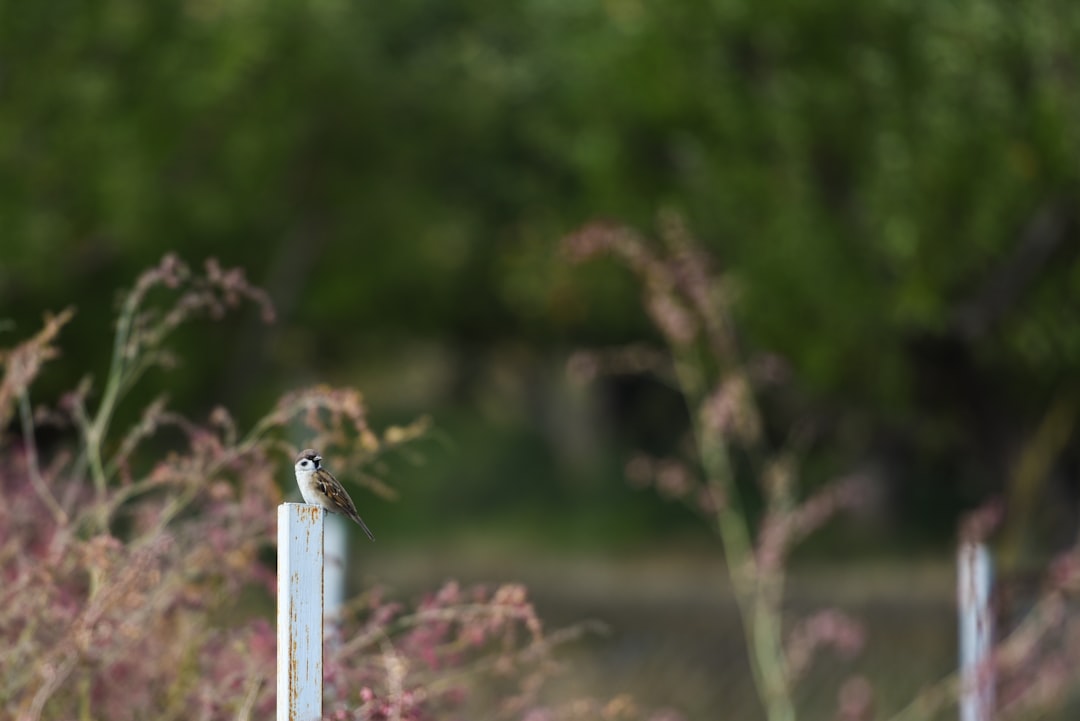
(319,488)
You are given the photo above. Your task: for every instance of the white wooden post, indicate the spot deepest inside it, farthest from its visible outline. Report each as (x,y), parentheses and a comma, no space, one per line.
(300,612)
(976,633)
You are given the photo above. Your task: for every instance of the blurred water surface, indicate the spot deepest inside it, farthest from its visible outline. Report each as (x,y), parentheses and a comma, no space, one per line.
(673,638)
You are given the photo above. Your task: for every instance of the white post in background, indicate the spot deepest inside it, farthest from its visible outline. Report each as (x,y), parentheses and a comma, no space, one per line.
(976,633)
(336,549)
(300,612)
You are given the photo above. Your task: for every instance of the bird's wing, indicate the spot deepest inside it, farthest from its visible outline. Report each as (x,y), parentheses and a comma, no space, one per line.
(337,495)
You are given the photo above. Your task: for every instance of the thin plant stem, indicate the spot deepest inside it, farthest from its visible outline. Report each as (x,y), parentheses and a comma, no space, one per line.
(248,705)
(116,378)
(27,417)
(761,621)
(95,431)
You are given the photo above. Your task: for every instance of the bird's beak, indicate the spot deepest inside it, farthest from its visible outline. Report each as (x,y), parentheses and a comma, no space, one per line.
(318,458)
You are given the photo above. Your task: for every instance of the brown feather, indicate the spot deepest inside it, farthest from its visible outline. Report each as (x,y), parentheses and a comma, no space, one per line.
(336,493)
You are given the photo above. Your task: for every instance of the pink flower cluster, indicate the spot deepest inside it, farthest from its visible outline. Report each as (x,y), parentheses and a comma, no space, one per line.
(138,583)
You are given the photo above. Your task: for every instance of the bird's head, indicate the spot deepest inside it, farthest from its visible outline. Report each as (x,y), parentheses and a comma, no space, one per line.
(308,461)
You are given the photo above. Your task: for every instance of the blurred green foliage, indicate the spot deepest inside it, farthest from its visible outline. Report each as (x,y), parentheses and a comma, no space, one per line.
(893,187)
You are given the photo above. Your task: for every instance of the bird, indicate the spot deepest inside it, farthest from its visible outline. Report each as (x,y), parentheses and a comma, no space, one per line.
(319,488)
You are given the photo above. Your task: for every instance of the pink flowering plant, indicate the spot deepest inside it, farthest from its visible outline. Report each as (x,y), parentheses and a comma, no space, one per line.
(691,304)
(136,571)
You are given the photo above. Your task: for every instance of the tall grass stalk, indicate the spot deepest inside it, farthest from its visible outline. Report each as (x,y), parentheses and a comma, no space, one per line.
(135,583)
(691,305)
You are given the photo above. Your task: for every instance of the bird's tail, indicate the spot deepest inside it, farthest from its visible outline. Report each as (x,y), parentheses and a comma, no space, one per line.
(356,517)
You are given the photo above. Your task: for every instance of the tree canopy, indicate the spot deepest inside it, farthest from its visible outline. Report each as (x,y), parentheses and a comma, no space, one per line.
(892,187)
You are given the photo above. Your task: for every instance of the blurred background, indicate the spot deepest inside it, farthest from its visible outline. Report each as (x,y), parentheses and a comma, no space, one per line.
(890,187)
